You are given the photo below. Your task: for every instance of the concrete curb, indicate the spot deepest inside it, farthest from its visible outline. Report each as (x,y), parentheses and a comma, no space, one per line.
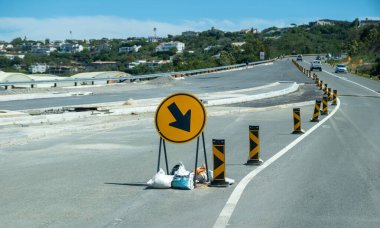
(53,118)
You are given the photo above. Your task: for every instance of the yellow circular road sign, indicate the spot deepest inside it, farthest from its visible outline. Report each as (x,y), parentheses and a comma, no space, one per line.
(180,118)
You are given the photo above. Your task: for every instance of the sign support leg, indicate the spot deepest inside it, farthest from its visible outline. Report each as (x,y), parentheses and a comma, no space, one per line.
(162,143)
(205,154)
(159,156)
(196,163)
(166,157)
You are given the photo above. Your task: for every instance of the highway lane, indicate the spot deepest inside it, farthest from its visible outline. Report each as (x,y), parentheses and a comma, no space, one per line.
(330,179)
(231,80)
(97,179)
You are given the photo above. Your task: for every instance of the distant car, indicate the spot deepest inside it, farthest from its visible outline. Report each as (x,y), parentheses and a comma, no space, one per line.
(316,64)
(299,58)
(341,68)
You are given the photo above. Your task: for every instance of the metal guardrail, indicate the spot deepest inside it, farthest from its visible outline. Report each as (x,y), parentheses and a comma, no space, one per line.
(130,78)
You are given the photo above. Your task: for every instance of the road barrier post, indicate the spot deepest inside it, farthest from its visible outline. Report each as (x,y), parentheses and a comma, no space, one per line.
(317,108)
(254,146)
(329,94)
(325,106)
(325,89)
(75,83)
(219,165)
(297,121)
(320,85)
(335,95)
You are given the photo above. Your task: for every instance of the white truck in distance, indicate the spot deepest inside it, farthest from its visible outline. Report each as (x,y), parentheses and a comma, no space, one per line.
(316,64)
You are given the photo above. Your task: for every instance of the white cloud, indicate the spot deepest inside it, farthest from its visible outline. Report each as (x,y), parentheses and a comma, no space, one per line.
(86,27)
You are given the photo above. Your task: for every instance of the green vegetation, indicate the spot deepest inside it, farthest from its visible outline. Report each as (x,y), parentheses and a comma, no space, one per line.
(214,47)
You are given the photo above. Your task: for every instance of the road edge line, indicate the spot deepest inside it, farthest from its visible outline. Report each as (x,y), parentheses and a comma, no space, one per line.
(228,209)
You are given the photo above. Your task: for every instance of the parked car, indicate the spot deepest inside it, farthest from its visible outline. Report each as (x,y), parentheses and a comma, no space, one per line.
(341,68)
(299,58)
(316,64)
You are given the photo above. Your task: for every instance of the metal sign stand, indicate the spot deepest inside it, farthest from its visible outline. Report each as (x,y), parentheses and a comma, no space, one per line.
(196,159)
(162,144)
(159,156)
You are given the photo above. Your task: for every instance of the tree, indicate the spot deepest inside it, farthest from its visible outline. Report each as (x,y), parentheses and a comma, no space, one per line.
(17,41)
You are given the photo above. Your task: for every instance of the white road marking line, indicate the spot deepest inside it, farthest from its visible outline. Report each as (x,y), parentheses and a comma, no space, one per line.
(346,79)
(232,201)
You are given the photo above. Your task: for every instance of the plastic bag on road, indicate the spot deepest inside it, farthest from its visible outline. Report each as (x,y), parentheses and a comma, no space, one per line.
(160,180)
(183,181)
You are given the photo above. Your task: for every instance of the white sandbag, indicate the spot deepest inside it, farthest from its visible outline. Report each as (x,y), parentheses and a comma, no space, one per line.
(230,181)
(160,180)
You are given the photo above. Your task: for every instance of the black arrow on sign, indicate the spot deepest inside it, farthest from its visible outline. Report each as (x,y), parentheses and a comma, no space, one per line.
(181,122)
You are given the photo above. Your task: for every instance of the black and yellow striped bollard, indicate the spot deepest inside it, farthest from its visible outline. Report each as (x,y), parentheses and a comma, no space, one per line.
(297,121)
(329,94)
(254,146)
(325,89)
(317,108)
(219,163)
(325,106)
(335,95)
(320,85)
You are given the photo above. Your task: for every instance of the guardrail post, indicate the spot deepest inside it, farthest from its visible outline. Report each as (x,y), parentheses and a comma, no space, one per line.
(75,83)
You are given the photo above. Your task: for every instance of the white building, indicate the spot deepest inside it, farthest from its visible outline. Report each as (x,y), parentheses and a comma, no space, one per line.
(43,50)
(103,47)
(132,65)
(238,44)
(12,56)
(170,45)
(71,48)
(134,48)
(38,68)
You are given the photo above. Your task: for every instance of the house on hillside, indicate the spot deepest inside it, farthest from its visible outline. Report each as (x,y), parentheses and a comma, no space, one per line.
(238,44)
(42,50)
(322,22)
(189,33)
(103,47)
(134,48)
(38,68)
(167,46)
(246,31)
(71,48)
(368,22)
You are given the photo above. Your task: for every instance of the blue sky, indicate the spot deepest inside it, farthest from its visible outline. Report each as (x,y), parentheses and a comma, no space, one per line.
(40,19)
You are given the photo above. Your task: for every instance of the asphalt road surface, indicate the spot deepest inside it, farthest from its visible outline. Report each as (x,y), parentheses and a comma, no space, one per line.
(95,177)
(231,80)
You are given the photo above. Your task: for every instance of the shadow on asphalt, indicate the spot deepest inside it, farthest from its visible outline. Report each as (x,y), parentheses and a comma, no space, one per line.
(135,184)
